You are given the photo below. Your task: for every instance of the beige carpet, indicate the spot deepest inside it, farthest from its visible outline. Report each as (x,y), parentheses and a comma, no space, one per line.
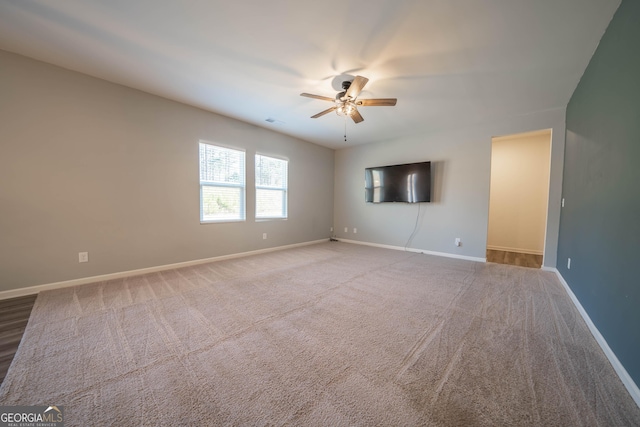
(326,335)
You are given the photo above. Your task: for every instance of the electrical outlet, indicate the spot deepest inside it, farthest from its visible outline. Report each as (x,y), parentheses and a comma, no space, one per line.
(331,229)
(83,256)
(355,230)
(346,229)
(264,236)
(458,241)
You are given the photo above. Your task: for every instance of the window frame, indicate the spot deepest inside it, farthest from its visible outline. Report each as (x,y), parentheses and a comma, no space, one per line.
(213,184)
(284,189)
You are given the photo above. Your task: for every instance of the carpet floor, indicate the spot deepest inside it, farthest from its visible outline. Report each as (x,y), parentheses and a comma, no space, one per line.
(331,334)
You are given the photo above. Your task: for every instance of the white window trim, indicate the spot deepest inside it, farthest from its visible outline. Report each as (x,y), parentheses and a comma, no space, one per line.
(242,187)
(285,190)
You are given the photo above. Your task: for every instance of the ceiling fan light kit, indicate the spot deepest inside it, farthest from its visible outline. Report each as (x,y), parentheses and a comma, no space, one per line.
(345,108)
(346,102)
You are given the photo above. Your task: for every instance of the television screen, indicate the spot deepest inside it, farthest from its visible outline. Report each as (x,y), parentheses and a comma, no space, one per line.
(409,183)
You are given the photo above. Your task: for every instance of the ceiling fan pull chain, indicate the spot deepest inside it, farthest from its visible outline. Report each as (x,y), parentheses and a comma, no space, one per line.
(345,129)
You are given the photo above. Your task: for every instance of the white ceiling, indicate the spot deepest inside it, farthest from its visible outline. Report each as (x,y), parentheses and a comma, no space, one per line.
(449,62)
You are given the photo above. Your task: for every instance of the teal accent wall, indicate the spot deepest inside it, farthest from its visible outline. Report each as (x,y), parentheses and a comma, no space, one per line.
(600,223)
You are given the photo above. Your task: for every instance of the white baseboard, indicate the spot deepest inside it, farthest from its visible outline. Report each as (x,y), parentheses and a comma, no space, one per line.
(518,250)
(13,293)
(419,251)
(617,366)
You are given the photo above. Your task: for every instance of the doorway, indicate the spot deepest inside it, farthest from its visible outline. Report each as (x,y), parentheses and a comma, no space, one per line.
(519,194)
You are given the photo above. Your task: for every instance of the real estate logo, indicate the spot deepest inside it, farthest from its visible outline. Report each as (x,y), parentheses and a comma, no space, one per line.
(31,416)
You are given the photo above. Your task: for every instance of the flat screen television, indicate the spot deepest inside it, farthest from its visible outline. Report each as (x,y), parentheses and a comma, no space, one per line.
(408,183)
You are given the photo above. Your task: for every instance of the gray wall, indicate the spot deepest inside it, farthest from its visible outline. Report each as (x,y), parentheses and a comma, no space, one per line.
(461,163)
(87,165)
(600,223)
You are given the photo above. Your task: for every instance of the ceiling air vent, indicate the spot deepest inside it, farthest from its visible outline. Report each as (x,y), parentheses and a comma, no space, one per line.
(274,121)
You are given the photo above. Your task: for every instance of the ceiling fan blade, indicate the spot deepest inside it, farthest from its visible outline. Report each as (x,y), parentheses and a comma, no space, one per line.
(324,98)
(356,116)
(380,102)
(356,86)
(322,113)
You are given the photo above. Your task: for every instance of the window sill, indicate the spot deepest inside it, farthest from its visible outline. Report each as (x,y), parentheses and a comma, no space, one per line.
(221,221)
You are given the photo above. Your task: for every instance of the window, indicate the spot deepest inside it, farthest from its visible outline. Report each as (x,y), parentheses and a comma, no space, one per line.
(271,187)
(222,184)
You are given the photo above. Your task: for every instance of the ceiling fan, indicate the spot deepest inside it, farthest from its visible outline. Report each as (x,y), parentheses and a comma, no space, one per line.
(346,102)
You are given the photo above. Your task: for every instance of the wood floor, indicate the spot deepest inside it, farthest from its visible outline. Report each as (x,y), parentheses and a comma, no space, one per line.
(514,258)
(14,315)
